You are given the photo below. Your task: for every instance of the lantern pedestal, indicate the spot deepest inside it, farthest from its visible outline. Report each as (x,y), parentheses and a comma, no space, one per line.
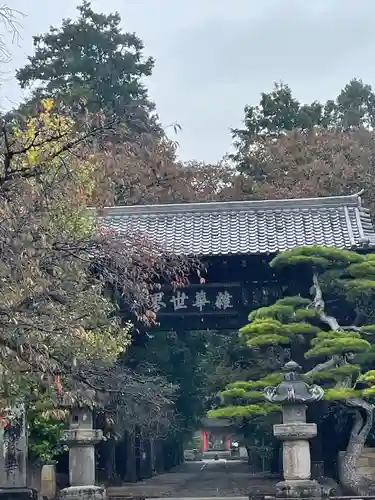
(83,493)
(301,488)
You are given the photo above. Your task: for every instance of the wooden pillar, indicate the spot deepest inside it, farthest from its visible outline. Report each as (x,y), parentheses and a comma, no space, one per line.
(138,452)
(147,461)
(228,443)
(158,457)
(205,440)
(153,456)
(121,457)
(180,451)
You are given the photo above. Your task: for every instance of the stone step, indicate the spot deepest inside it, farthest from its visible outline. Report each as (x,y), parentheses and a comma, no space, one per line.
(367,471)
(366,463)
(207,498)
(370,451)
(179,498)
(363,461)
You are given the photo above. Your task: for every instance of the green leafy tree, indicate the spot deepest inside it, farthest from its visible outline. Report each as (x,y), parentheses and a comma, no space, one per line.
(46,425)
(279,113)
(333,340)
(91,60)
(354,106)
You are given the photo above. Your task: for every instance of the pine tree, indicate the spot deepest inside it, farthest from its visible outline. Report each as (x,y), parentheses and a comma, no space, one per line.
(334,342)
(91,60)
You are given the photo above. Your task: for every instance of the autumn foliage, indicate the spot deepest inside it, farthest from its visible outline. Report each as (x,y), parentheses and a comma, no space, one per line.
(318,162)
(288,149)
(57,268)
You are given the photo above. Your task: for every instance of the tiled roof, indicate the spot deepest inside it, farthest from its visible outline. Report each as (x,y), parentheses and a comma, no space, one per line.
(248,227)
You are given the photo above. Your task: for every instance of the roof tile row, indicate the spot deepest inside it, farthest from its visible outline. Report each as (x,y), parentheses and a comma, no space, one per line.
(248,227)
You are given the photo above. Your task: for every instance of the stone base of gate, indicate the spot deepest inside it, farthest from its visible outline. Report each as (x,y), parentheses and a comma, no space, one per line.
(301,488)
(83,493)
(18,494)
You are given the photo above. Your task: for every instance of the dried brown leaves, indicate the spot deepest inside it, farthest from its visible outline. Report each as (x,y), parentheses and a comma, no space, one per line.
(314,163)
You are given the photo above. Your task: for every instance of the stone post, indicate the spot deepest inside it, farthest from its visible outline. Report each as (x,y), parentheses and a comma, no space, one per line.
(13,455)
(294,394)
(48,481)
(81,439)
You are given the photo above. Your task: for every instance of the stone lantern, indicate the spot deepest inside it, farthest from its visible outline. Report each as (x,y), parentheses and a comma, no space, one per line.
(294,394)
(81,438)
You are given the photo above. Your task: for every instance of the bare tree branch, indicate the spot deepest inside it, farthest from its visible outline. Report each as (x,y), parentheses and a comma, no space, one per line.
(9,19)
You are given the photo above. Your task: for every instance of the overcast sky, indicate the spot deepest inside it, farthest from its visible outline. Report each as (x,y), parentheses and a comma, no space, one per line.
(215,56)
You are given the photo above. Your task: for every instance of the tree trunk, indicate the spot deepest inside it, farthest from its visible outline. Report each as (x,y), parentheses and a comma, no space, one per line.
(131,469)
(249,457)
(111,464)
(351,481)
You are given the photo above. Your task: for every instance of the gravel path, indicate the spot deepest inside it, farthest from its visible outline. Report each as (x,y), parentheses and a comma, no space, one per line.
(208,479)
